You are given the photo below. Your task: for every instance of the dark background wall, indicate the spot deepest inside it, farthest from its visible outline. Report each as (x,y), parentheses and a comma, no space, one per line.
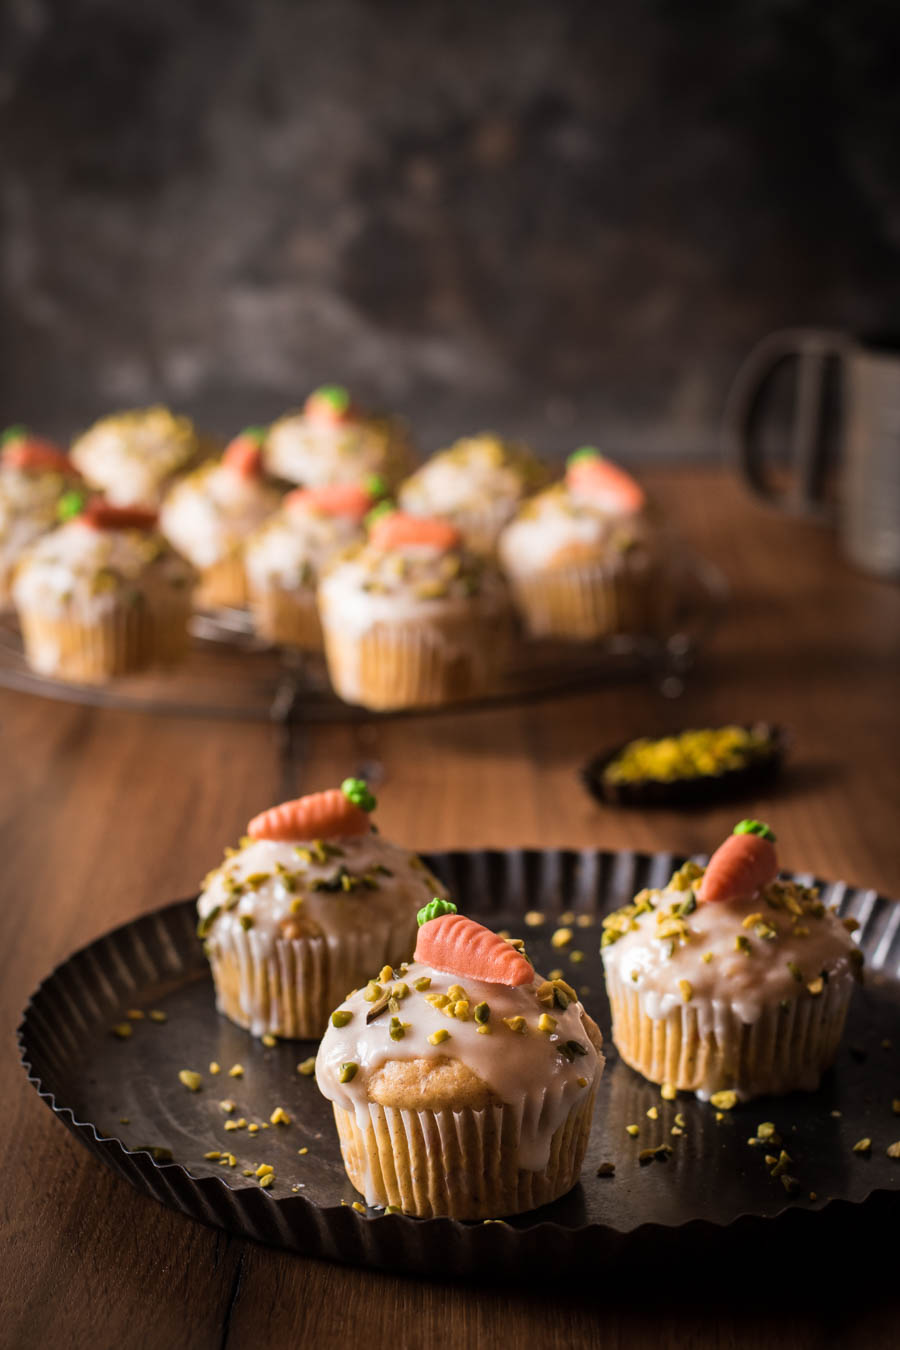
(564,219)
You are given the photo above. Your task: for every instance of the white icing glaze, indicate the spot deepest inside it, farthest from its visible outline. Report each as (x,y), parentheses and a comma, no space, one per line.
(28,502)
(523,1070)
(318,452)
(732,982)
(210,513)
(80,570)
(477,483)
(555,521)
(332,913)
(130,456)
(293,546)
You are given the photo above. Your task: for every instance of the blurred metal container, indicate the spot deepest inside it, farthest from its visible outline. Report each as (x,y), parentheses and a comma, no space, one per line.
(838,455)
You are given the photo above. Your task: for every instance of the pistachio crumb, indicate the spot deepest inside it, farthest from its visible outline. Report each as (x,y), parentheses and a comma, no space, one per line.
(122,1030)
(214,1068)
(893,1150)
(307,1066)
(668,1092)
(192,1080)
(253,1129)
(279,1116)
(863,1146)
(562,937)
(227,1105)
(236,1071)
(633,1130)
(438,1037)
(348,1072)
(303,1150)
(534,918)
(267,1181)
(726,1100)
(157,1015)
(213,1156)
(269,1040)
(653,1113)
(687,991)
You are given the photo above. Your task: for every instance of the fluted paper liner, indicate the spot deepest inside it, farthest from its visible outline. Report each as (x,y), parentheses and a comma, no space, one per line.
(224,583)
(459,1164)
(292,989)
(288,617)
(409,664)
(787,1048)
(588,599)
(122,642)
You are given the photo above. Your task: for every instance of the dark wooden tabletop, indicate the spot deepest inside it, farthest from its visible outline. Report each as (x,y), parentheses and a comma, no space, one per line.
(106,814)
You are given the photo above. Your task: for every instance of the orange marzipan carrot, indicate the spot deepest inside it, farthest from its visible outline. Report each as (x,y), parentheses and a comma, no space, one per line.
(333,499)
(740,867)
(100,515)
(243,455)
(320,815)
(461,946)
(599,478)
(30,452)
(400,530)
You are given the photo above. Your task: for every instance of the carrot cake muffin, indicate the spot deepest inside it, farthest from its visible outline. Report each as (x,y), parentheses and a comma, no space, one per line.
(477,484)
(209,514)
(413,618)
(728,980)
(34,477)
(581,556)
(286,556)
(331,440)
(311,901)
(103,595)
(133,457)
(463,1084)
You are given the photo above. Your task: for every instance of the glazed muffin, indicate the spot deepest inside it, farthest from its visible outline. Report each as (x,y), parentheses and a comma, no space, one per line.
(413,619)
(312,900)
(581,557)
(728,980)
(477,484)
(331,440)
(209,514)
(286,556)
(463,1084)
(133,457)
(104,595)
(35,476)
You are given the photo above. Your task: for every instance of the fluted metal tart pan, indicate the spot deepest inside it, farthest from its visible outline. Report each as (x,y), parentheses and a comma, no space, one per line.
(123,1100)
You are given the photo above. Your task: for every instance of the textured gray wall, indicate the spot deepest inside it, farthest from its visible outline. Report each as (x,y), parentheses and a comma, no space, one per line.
(569,220)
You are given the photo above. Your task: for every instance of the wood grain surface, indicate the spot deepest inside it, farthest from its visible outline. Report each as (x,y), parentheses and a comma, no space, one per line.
(107,814)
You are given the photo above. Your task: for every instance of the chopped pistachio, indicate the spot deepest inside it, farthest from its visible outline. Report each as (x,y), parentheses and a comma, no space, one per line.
(157,1015)
(214,1068)
(340,1017)
(422,983)
(725,1100)
(562,937)
(893,1150)
(743,944)
(482,1013)
(706,957)
(816,986)
(516,1024)
(386,974)
(576,957)
(122,1030)
(546,1023)
(862,1146)
(484,1029)
(227,1105)
(653,1113)
(279,1116)
(267,1181)
(236,1071)
(348,1072)
(213,1156)
(687,991)
(307,1067)
(668,1092)
(192,1080)
(269,1040)
(253,1128)
(633,1130)
(534,918)
(438,1037)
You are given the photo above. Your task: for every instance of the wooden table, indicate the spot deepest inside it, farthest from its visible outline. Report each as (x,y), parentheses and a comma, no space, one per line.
(107,814)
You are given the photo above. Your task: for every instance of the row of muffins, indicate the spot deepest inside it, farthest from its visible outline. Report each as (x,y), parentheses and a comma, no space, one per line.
(407,608)
(462,1081)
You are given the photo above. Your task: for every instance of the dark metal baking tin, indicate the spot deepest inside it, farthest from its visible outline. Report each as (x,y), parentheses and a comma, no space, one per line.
(747,781)
(92,1080)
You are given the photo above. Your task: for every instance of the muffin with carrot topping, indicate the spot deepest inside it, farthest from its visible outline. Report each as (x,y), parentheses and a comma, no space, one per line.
(35,476)
(582,557)
(477,484)
(729,982)
(209,514)
(286,556)
(104,595)
(413,618)
(133,457)
(312,900)
(332,440)
(462,1083)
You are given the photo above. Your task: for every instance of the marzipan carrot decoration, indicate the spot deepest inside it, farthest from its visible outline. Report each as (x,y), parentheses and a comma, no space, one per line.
(100,515)
(463,947)
(592,475)
(334,499)
(331,404)
(21,450)
(243,455)
(742,865)
(333,814)
(396,530)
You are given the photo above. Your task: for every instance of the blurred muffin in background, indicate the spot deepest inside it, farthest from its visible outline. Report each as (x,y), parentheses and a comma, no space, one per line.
(35,475)
(331,440)
(102,596)
(209,515)
(133,457)
(582,557)
(477,483)
(287,554)
(413,618)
